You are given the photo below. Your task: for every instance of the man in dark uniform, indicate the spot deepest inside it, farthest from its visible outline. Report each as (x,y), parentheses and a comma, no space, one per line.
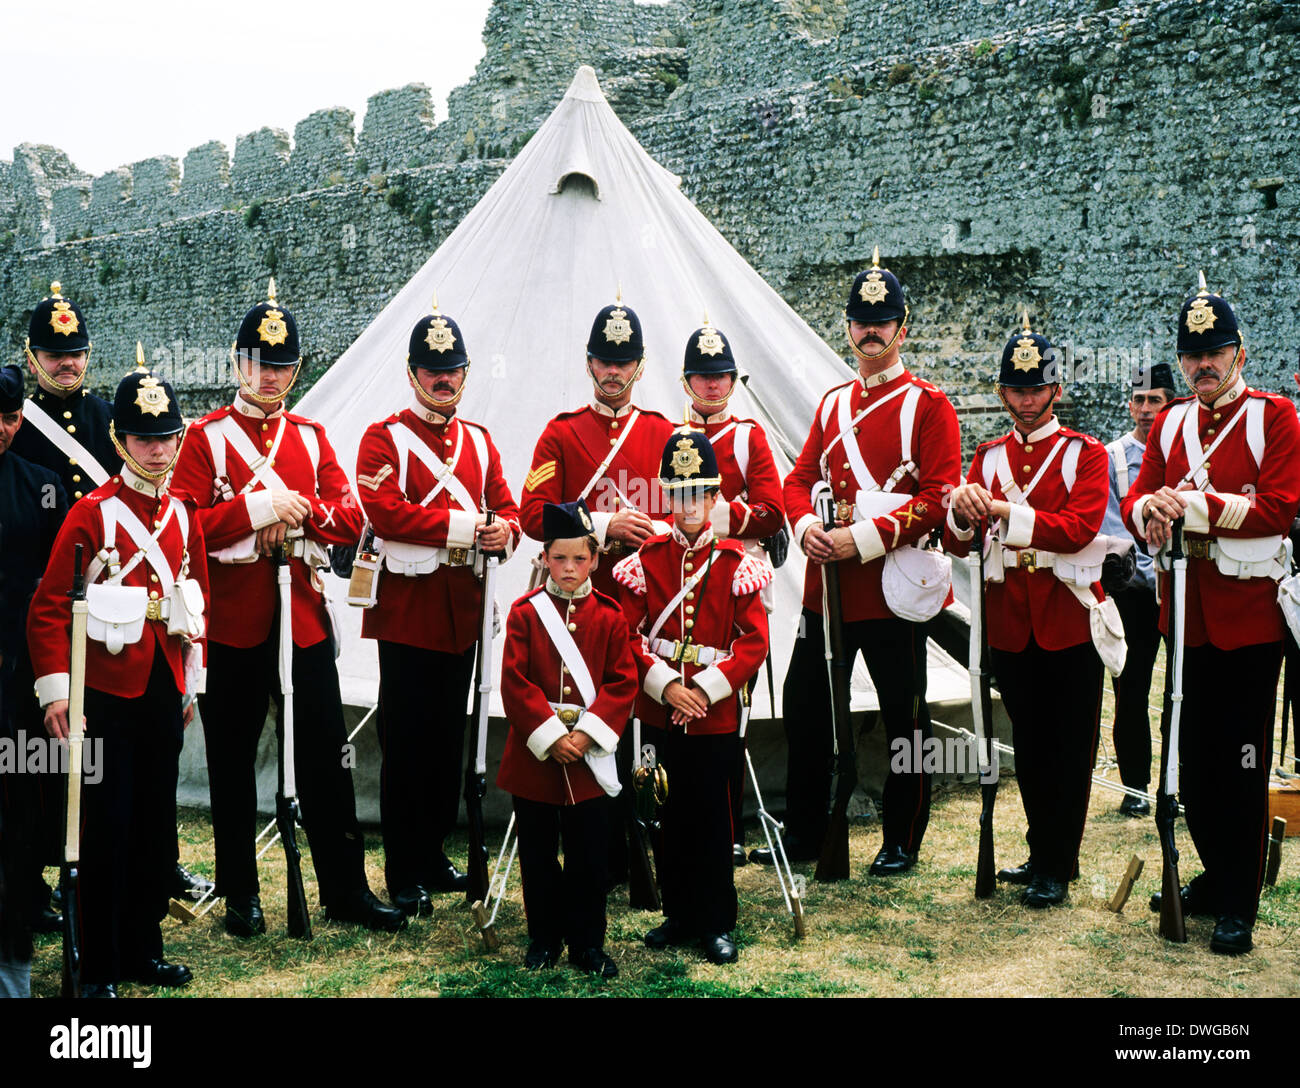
(65,429)
(145,548)
(1227,462)
(32,506)
(427,479)
(887,445)
(268,488)
(1138,608)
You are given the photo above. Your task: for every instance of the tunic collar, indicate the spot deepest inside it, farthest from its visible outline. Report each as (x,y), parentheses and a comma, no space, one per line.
(606,410)
(428,414)
(702,541)
(553,588)
(883,378)
(1045,431)
(1230,397)
(144,487)
(254,412)
(719,417)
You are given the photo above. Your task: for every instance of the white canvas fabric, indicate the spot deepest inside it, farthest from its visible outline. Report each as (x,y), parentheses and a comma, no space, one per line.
(582,211)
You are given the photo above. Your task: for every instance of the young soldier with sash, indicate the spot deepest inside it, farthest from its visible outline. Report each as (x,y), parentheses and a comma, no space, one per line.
(147,592)
(568,681)
(1227,462)
(887,446)
(269,489)
(1038,497)
(1138,608)
(429,480)
(699,633)
(751,509)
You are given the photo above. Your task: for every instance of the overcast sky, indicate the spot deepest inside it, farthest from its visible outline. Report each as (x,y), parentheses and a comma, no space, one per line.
(113,83)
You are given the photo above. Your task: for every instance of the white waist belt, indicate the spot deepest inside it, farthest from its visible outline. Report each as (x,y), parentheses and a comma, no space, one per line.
(688,652)
(1238,557)
(413,560)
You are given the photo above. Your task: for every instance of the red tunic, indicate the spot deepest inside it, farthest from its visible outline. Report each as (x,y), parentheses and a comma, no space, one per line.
(244,595)
(439,610)
(724,612)
(754,508)
(934,447)
(532,679)
(1060,517)
(1253,496)
(49,621)
(566,457)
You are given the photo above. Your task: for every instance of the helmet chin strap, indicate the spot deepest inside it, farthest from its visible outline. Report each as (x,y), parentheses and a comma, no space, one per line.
(1046,409)
(902,328)
(431,402)
(1234,371)
(58,390)
(716,405)
(135,466)
(640,366)
(256,397)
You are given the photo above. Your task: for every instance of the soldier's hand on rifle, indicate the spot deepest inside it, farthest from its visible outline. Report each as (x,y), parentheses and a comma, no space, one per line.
(972,503)
(56,719)
(494,537)
(687,703)
(631,527)
(187,715)
(1163,508)
(271,537)
(290,507)
(818,545)
(843,546)
(564,750)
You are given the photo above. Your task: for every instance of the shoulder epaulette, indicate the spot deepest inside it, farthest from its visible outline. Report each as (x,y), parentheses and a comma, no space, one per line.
(294,417)
(215,414)
(1070,433)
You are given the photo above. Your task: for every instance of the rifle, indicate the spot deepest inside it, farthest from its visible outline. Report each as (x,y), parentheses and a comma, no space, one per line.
(286,799)
(485,920)
(1172,926)
(476,768)
(833,864)
(981,705)
(772,829)
(642,891)
(70,873)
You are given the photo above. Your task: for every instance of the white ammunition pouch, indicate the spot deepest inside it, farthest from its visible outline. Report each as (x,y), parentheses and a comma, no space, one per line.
(1238,557)
(602,764)
(115,614)
(1288,597)
(184,611)
(1106,629)
(915,580)
(1080,568)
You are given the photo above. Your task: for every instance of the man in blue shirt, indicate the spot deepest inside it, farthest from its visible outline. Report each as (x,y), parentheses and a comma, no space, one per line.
(1152,390)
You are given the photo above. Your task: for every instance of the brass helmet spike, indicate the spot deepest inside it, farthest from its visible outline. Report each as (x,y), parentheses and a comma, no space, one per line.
(1202,289)
(270,291)
(436,311)
(56,289)
(875,257)
(1025,319)
(139,357)
(706,316)
(618,293)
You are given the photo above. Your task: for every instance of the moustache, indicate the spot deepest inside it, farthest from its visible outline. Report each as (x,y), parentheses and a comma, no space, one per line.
(1204,372)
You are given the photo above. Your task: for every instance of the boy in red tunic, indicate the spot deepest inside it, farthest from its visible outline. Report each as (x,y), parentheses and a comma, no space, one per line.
(699,635)
(567,684)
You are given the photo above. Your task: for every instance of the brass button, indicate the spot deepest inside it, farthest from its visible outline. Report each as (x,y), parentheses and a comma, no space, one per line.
(844,483)
(157,523)
(75,478)
(153,594)
(67,415)
(564,668)
(1029,468)
(690,624)
(573,627)
(153,577)
(855,430)
(76,494)
(1029,449)
(265,426)
(1217,415)
(568,690)
(690,609)
(691,595)
(72,460)
(446,441)
(614,426)
(450,460)
(613,441)
(72,429)
(268,443)
(271,463)
(690,566)
(1210,431)
(846,466)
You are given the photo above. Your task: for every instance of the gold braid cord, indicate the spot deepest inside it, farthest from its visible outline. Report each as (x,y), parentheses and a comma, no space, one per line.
(431,402)
(58,390)
(135,466)
(250,392)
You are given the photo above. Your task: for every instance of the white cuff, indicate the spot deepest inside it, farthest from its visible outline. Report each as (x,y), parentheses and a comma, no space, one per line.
(198,681)
(720,519)
(661,674)
(540,739)
(600,522)
(713,683)
(662,528)
(1138,516)
(460,528)
(802,525)
(1196,518)
(867,537)
(261,509)
(52,687)
(602,736)
(1020,526)
(510,539)
(960,534)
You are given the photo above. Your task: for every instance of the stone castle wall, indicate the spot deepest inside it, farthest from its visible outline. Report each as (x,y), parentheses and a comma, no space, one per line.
(1078,159)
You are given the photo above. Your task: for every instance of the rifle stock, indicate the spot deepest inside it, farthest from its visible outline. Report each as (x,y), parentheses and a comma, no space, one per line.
(642,890)
(476,765)
(982,712)
(286,799)
(1172,924)
(833,863)
(70,872)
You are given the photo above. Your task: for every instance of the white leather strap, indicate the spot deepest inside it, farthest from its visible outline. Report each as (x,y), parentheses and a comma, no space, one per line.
(1010,488)
(1119,459)
(1196,458)
(548,612)
(633,416)
(115,512)
(407,441)
(64,442)
(687,586)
